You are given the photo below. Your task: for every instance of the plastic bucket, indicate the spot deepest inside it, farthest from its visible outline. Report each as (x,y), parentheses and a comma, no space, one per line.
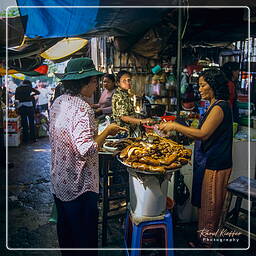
(147,195)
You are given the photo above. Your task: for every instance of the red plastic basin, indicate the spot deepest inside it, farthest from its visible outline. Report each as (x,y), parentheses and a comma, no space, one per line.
(168,118)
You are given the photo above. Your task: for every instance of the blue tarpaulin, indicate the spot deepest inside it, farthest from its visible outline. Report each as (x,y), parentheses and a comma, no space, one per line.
(67,22)
(49,22)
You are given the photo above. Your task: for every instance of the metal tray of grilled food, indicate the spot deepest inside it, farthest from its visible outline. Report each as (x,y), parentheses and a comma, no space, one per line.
(146,172)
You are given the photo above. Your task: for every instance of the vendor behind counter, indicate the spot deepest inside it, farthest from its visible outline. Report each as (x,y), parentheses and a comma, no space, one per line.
(104,106)
(123,111)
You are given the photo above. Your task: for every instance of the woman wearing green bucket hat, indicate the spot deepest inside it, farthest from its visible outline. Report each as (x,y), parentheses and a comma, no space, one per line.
(74,171)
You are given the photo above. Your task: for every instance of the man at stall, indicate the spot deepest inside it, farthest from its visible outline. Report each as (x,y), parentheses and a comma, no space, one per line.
(104,106)
(74,171)
(122,106)
(212,152)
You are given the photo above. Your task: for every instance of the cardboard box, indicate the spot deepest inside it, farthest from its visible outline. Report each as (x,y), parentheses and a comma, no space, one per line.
(14,125)
(13,119)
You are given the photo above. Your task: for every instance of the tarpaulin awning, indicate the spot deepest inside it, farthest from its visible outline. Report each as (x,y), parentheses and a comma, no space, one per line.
(15,31)
(141,30)
(58,22)
(64,21)
(10,71)
(64,48)
(40,71)
(19,76)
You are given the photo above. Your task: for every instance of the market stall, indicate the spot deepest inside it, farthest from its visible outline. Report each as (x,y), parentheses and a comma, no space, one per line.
(147,194)
(12,127)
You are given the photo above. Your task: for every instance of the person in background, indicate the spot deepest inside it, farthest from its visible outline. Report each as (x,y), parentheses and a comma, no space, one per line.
(212,152)
(104,106)
(43,98)
(24,95)
(59,90)
(34,97)
(122,108)
(74,150)
(231,70)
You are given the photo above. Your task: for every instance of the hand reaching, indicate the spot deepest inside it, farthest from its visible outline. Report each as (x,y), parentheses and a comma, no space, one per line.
(168,126)
(113,129)
(94,106)
(147,121)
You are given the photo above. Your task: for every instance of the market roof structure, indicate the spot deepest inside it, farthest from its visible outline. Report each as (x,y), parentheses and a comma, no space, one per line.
(134,28)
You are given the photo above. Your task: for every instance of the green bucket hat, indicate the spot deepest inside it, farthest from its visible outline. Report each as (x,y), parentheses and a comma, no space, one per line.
(80,68)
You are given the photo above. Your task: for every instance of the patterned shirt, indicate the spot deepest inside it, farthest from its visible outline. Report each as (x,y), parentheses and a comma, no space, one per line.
(122,106)
(74,167)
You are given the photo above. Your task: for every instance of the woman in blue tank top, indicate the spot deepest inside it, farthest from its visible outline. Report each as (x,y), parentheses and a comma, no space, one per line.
(212,153)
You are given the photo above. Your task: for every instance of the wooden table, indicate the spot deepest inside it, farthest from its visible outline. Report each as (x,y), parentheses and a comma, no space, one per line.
(104,163)
(105,159)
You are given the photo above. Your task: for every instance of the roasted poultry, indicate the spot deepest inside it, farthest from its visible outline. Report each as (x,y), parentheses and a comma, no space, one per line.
(154,153)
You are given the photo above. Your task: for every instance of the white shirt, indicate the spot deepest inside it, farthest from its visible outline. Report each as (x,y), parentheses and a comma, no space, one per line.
(44,95)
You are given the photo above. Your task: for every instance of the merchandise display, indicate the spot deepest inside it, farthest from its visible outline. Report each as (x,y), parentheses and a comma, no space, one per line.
(155,154)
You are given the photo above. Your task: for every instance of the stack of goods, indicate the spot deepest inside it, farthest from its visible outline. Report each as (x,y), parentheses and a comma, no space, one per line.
(14,128)
(155,154)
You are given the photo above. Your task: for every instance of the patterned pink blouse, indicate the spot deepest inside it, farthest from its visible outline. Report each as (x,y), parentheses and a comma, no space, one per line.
(74,167)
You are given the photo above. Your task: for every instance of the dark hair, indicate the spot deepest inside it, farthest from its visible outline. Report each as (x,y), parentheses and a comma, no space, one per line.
(121,73)
(73,87)
(217,81)
(229,67)
(26,82)
(110,76)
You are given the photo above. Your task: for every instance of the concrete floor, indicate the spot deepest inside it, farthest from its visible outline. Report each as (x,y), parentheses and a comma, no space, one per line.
(30,204)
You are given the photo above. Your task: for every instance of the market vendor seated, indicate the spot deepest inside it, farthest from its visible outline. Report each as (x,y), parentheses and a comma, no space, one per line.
(123,111)
(104,106)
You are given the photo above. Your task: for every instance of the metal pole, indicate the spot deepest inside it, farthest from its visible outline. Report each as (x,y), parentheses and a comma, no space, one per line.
(179,56)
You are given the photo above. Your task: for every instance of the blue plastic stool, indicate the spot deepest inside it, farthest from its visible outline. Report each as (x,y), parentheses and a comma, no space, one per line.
(138,230)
